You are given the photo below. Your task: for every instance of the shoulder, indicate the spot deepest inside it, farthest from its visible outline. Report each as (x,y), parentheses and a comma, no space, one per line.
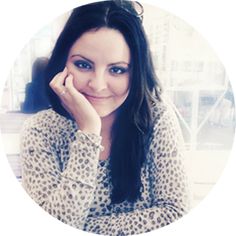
(166,143)
(162,112)
(166,133)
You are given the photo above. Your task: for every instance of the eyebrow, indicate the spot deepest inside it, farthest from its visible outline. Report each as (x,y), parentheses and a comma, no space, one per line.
(111,64)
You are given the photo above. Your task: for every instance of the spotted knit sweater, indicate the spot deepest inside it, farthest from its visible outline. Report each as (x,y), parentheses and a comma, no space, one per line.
(62,172)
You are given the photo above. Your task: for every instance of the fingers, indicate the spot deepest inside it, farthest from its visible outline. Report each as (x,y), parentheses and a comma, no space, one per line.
(57,83)
(62,85)
(69,84)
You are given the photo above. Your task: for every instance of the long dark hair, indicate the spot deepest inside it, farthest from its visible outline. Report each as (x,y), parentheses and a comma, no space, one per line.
(133,122)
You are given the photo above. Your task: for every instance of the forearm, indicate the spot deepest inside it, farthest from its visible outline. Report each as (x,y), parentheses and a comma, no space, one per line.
(135,222)
(65,194)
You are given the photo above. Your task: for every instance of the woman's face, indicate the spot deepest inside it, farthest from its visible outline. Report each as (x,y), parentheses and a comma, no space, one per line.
(99,61)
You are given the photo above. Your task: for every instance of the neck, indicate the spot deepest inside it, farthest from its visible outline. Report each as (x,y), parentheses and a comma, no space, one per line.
(107,123)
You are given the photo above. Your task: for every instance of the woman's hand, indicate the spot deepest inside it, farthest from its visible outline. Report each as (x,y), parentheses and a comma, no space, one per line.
(75,103)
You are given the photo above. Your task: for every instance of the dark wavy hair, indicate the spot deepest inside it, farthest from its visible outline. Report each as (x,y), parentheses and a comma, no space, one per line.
(133,124)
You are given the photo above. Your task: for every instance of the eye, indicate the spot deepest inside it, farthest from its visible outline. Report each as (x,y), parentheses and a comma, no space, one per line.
(117,70)
(83,65)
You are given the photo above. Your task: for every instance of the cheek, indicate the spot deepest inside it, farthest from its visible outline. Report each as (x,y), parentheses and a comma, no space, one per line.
(122,88)
(77,84)
(80,82)
(79,79)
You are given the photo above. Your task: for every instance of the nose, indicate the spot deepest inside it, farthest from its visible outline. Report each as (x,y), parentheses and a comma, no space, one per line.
(98,81)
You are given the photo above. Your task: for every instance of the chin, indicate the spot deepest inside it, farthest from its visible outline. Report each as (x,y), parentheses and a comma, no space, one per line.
(105,114)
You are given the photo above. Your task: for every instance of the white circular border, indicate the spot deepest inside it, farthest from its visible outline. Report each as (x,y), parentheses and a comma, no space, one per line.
(215,20)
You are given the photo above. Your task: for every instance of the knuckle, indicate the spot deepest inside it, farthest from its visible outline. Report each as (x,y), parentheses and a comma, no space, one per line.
(51,84)
(67,86)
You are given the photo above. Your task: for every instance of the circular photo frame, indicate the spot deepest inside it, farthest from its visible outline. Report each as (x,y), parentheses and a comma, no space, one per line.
(195,87)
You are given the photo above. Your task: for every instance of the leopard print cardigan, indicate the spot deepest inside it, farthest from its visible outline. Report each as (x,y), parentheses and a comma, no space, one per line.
(62,172)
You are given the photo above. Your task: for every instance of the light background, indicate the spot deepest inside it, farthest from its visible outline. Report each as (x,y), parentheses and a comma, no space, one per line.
(20,20)
(194,81)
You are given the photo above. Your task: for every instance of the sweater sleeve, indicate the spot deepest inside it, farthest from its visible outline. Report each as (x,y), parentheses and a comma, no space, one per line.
(66,194)
(170,199)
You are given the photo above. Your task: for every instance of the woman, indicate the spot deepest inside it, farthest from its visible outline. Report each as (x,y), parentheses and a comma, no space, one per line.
(107,157)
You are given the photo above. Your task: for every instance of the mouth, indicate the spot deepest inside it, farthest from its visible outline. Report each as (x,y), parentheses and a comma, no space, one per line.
(95,98)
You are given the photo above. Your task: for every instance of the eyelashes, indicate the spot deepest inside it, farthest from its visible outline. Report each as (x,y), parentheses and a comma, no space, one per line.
(83,65)
(118,70)
(86,66)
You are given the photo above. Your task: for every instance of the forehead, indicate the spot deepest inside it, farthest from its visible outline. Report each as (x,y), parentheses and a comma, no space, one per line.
(102,44)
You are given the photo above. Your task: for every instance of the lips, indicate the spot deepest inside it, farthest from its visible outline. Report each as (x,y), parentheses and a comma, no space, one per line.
(96,98)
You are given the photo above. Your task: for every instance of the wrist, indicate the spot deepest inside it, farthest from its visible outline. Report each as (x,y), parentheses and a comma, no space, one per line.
(91,126)
(94,139)
(96,129)
(91,131)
